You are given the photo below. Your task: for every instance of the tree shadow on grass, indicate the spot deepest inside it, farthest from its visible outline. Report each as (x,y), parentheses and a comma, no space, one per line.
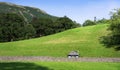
(21,66)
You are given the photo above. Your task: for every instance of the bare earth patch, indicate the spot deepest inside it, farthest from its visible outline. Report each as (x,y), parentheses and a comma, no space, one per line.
(58,59)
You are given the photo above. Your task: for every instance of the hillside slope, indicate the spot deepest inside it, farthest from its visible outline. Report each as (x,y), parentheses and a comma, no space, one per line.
(27,12)
(84,39)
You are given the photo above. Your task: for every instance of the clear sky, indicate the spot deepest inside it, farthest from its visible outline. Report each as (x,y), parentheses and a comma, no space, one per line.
(78,10)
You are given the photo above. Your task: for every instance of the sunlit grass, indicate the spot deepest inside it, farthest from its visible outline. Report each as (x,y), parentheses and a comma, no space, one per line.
(59,66)
(83,39)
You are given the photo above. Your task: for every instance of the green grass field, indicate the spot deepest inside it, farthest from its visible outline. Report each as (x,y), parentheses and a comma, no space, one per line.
(83,39)
(59,66)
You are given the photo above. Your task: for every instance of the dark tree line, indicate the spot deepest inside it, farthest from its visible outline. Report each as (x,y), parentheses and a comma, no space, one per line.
(45,26)
(42,26)
(13,27)
(100,21)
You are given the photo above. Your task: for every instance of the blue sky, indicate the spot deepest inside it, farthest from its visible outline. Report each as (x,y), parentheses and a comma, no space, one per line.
(78,10)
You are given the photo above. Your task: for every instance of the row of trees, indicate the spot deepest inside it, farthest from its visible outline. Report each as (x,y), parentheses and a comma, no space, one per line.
(101,21)
(47,26)
(13,27)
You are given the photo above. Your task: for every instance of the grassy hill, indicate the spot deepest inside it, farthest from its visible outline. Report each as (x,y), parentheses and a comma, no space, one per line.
(27,12)
(84,39)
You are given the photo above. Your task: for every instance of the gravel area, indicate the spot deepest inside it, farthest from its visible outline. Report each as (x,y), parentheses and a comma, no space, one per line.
(58,59)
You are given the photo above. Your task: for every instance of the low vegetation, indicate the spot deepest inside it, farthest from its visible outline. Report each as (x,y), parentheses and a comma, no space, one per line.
(59,66)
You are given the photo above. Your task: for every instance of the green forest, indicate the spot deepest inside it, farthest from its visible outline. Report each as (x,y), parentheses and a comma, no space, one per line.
(17,29)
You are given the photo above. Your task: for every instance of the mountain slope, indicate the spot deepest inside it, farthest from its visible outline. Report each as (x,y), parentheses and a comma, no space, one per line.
(84,39)
(27,12)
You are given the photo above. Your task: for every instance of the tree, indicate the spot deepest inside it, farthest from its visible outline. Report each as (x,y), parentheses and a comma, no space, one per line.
(64,23)
(43,26)
(113,39)
(12,27)
(103,21)
(29,31)
(88,23)
(77,24)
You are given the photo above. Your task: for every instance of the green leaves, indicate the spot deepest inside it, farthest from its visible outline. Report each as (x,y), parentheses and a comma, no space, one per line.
(45,26)
(113,39)
(13,27)
(88,23)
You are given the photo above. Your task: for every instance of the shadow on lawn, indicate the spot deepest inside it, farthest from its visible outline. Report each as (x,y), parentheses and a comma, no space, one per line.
(21,66)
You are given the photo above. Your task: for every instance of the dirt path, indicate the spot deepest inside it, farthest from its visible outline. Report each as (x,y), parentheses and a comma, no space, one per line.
(40,58)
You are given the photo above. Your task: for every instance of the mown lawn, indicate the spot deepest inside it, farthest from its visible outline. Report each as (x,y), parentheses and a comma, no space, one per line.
(83,39)
(59,66)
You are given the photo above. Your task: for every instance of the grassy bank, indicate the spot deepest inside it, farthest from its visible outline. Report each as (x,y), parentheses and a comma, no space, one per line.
(84,39)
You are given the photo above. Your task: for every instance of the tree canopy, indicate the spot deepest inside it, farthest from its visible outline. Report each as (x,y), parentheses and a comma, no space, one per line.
(88,23)
(13,27)
(45,26)
(113,38)
(64,23)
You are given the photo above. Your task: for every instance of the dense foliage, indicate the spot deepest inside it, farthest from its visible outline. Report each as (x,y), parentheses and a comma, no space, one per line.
(88,23)
(103,21)
(31,22)
(13,27)
(45,26)
(95,22)
(113,38)
(42,26)
(64,23)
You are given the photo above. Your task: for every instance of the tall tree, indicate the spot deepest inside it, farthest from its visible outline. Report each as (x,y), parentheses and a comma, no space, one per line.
(113,39)
(64,23)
